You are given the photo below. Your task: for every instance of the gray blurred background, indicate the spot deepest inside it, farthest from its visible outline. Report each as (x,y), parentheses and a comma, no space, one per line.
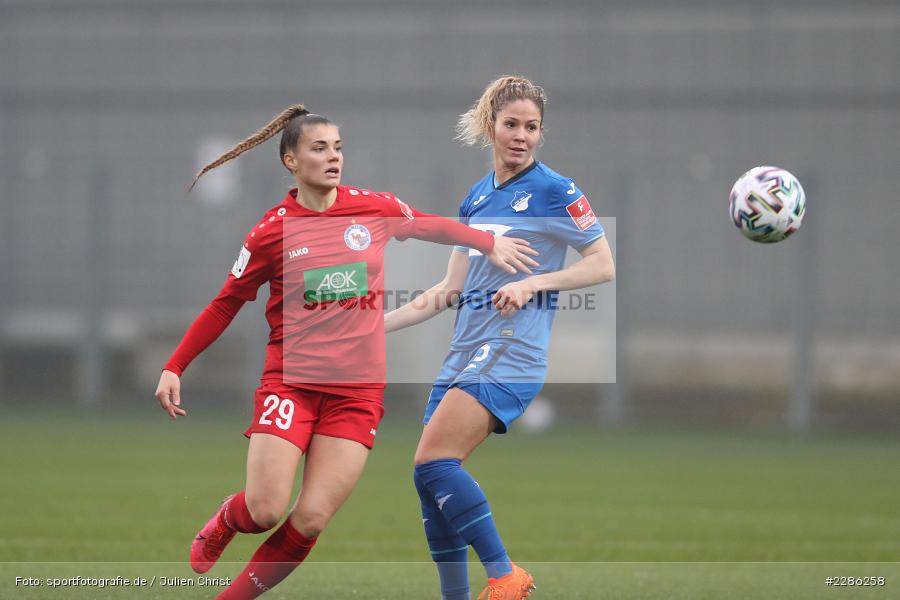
(108,109)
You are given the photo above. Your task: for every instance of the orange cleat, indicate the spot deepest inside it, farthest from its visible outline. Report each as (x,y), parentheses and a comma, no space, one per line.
(207,547)
(515,586)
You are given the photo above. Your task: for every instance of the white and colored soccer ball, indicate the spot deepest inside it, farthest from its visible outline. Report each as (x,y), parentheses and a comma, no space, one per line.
(767,204)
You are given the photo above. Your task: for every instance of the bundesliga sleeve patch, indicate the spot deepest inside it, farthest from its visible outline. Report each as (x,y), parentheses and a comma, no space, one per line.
(582,213)
(240,265)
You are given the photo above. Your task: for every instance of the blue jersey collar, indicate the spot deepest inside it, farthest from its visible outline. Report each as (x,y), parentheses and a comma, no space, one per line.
(514,178)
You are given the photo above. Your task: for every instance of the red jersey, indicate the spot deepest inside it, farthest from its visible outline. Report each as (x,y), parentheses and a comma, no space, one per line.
(326,276)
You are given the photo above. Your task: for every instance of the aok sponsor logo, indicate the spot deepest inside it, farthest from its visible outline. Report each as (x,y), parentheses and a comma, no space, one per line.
(336,283)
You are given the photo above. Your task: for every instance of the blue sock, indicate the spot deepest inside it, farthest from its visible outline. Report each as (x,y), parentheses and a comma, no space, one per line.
(449,551)
(465,507)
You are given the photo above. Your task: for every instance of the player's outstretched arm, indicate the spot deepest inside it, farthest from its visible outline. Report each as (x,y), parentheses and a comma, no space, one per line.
(435,299)
(507,253)
(168,392)
(595,266)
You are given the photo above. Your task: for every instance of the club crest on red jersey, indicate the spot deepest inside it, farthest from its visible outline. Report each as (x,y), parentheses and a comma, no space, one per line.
(357,237)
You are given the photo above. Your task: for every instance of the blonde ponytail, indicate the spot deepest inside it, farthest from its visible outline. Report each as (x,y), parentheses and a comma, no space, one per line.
(477,124)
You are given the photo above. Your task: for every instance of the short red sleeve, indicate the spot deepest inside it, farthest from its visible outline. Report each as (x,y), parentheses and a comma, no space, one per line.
(256,260)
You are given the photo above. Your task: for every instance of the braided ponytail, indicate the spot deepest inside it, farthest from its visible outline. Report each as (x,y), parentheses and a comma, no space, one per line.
(273,127)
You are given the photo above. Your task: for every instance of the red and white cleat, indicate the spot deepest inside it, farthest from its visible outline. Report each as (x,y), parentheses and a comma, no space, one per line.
(207,547)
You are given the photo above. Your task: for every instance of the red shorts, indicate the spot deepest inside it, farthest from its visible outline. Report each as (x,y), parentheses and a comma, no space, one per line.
(295,414)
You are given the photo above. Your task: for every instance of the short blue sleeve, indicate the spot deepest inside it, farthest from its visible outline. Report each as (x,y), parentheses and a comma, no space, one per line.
(571,217)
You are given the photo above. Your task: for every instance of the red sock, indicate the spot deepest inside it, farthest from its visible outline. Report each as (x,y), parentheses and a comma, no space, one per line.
(237,516)
(272,562)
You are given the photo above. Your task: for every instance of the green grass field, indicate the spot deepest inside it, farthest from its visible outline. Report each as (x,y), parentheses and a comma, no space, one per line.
(592,514)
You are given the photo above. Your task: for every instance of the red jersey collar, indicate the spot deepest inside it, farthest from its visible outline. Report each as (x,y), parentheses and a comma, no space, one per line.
(290,202)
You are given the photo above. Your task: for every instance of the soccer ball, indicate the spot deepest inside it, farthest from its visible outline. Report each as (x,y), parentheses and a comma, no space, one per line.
(767,204)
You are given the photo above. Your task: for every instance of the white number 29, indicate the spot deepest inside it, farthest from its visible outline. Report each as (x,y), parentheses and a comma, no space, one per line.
(285,408)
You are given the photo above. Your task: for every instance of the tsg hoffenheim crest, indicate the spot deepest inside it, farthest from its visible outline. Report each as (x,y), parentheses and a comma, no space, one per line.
(520,201)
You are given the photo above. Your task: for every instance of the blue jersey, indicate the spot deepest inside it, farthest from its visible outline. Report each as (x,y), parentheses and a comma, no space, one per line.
(549,211)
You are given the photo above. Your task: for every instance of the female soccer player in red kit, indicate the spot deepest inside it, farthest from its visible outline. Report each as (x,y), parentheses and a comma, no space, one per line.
(322,386)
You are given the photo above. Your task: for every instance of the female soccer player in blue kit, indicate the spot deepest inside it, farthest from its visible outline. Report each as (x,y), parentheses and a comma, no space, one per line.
(497,359)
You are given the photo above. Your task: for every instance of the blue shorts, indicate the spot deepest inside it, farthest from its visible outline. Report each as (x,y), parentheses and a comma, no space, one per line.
(503,378)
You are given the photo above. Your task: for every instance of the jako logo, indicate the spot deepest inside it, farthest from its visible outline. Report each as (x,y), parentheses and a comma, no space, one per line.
(259,584)
(298,252)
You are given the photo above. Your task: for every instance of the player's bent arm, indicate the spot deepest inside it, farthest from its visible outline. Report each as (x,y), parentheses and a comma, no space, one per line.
(595,266)
(435,299)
